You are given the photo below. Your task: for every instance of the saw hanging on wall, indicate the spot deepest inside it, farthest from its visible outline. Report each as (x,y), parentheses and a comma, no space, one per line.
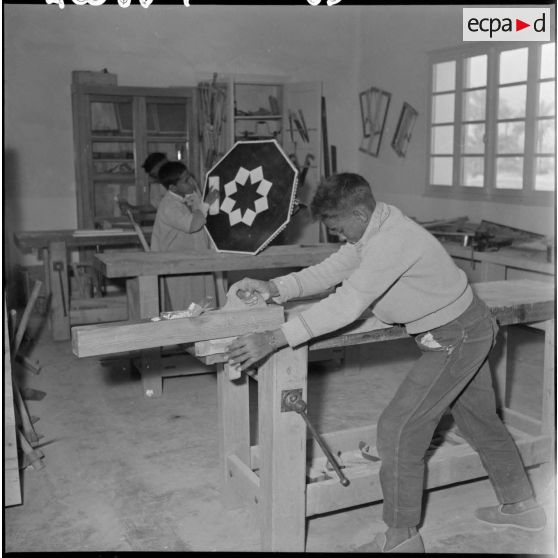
(374,105)
(257,185)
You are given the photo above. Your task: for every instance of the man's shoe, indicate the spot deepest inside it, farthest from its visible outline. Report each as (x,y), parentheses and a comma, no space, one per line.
(412,545)
(533,519)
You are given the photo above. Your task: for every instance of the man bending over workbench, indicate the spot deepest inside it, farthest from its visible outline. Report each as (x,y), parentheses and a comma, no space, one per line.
(394,266)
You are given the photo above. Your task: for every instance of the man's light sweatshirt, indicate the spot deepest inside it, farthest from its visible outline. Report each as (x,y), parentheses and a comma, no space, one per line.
(397,268)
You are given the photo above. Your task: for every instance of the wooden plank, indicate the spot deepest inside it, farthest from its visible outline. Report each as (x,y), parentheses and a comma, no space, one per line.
(114,313)
(548,426)
(98,302)
(104,339)
(143,302)
(505,257)
(244,482)
(37,240)
(282,438)
(234,432)
(132,264)
(511,302)
(447,466)
(12,486)
(26,315)
(60,295)
(549,394)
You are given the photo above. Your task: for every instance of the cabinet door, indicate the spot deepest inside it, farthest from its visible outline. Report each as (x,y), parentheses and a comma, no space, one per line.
(115,128)
(302,140)
(112,168)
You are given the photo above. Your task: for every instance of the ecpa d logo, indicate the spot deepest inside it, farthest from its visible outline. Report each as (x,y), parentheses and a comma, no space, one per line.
(506,24)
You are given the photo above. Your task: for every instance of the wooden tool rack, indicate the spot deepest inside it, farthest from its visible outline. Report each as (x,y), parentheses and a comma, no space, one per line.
(277,478)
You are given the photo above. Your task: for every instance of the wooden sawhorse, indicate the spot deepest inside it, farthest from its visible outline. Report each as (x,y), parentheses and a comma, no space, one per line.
(276,479)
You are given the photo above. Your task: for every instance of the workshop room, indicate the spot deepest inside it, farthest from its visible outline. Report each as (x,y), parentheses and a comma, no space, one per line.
(279,277)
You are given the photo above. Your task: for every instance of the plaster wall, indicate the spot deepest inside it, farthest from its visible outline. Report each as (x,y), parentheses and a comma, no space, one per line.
(393,46)
(154,46)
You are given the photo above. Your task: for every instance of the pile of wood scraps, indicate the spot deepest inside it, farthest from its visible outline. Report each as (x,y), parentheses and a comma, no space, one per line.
(27,437)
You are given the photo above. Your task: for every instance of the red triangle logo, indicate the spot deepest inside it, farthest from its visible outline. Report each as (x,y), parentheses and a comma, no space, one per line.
(519,25)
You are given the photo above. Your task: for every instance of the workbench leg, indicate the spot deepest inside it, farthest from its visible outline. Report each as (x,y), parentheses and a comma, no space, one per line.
(499,365)
(234,429)
(59,290)
(282,443)
(143,302)
(549,398)
(492,272)
(150,368)
(143,297)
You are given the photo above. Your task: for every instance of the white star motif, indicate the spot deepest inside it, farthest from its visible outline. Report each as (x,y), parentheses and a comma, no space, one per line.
(235,215)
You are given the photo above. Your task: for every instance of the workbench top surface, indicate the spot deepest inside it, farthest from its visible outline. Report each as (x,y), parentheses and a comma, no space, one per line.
(511,302)
(75,238)
(532,260)
(136,264)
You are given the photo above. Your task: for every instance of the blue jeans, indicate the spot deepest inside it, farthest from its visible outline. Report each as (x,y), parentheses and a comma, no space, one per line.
(452,372)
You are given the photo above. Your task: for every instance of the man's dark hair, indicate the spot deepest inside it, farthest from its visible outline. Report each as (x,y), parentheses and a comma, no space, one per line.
(153,159)
(340,193)
(170,172)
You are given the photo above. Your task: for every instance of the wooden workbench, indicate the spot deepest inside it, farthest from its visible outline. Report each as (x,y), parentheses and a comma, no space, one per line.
(279,479)
(53,248)
(143,269)
(505,263)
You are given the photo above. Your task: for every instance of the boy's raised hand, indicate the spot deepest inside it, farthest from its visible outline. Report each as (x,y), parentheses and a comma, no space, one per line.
(212,196)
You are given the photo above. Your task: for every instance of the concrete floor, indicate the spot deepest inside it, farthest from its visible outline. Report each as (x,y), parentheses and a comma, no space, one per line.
(127,473)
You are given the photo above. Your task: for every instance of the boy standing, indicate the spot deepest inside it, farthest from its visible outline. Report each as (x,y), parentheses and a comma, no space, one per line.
(178,227)
(398,269)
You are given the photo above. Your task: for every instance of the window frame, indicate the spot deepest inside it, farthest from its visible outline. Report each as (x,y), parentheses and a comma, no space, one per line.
(488,192)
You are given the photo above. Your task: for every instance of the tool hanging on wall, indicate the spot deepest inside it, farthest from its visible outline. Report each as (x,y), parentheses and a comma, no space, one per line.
(304,127)
(325,140)
(333,159)
(304,171)
(211,119)
(301,128)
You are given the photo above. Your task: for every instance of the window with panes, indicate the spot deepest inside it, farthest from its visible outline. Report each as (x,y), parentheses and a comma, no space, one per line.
(492,122)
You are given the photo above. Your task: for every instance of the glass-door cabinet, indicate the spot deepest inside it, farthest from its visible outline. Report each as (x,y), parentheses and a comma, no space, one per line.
(115,128)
